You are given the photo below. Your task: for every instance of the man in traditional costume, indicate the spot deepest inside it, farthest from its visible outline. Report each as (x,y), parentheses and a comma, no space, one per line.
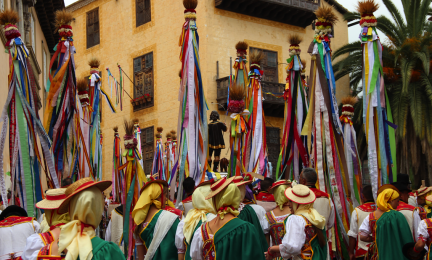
(264,194)
(251,213)
(357,248)
(386,227)
(188,187)
(226,236)
(39,246)
(201,212)
(216,140)
(424,207)
(305,236)
(424,235)
(84,202)
(156,228)
(410,212)
(15,228)
(276,217)
(114,231)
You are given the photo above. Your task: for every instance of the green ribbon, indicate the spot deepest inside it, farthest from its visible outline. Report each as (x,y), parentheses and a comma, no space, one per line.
(376,68)
(127,214)
(392,138)
(278,164)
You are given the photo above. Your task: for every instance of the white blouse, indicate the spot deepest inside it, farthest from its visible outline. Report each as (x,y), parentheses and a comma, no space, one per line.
(33,246)
(260,212)
(17,236)
(365,228)
(197,244)
(422,232)
(179,237)
(294,238)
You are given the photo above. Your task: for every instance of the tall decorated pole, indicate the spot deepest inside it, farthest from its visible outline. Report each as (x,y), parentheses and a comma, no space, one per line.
(377,116)
(322,124)
(350,147)
(255,148)
(192,124)
(133,178)
(84,112)
(117,175)
(293,156)
(97,92)
(158,169)
(25,128)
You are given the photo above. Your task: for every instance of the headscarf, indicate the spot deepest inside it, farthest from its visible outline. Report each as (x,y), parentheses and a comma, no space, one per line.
(308,211)
(228,201)
(85,210)
(54,219)
(279,195)
(148,197)
(201,207)
(385,197)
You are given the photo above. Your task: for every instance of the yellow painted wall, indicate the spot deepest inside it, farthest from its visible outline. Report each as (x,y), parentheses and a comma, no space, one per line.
(121,42)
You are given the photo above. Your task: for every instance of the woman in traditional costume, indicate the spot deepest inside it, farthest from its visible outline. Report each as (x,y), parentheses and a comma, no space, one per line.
(85,204)
(156,228)
(40,245)
(252,213)
(386,227)
(424,206)
(276,217)
(305,236)
(202,212)
(226,236)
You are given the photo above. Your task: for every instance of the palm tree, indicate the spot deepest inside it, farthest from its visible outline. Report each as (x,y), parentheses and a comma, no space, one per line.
(406,66)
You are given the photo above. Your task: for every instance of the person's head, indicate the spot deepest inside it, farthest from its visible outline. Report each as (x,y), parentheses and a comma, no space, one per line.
(241,183)
(227,201)
(13,210)
(367,194)
(278,191)
(266,184)
(388,198)
(66,182)
(403,184)
(214,116)
(53,199)
(308,177)
(189,185)
(154,193)
(421,195)
(421,200)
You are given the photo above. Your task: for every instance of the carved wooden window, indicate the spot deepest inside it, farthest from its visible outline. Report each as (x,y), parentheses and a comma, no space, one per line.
(93,37)
(269,65)
(143,81)
(143,12)
(273,146)
(147,148)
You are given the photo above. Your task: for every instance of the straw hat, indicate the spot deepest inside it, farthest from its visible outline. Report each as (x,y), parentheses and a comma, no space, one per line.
(279,183)
(219,186)
(239,180)
(387,186)
(429,198)
(423,191)
(300,194)
(53,199)
(78,186)
(147,184)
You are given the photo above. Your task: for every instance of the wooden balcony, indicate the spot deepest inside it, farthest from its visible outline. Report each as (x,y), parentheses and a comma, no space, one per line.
(294,12)
(273,106)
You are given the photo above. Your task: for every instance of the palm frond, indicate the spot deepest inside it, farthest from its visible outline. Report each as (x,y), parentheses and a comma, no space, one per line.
(407,66)
(425,60)
(394,12)
(351,16)
(347,49)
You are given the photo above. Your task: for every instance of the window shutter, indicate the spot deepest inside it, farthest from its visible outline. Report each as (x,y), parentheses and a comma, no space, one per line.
(93,36)
(269,65)
(147,148)
(143,79)
(143,12)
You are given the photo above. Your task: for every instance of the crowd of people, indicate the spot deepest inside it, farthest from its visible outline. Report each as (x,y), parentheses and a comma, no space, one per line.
(221,219)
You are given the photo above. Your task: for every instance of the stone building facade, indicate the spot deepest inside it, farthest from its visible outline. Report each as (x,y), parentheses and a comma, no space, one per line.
(142,37)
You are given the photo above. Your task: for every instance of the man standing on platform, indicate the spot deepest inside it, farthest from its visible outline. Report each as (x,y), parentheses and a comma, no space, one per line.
(357,248)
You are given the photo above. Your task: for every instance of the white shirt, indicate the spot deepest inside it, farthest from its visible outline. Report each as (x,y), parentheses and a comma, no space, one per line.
(365,228)
(33,246)
(260,212)
(197,244)
(422,232)
(294,238)
(16,238)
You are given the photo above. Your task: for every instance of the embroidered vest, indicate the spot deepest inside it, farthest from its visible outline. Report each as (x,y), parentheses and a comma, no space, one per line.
(422,213)
(277,229)
(429,230)
(306,250)
(208,250)
(362,212)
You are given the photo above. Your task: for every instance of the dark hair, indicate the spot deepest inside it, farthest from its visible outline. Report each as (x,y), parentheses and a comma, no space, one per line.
(214,115)
(367,192)
(66,181)
(189,185)
(266,183)
(310,175)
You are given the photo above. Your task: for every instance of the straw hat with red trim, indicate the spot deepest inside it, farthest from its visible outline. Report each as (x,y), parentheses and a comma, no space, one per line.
(152,180)
(279,183)
(423,191)
(78,186)
(219,186)
(387,186)
(239,180)
(53,199)
(300,194)
(429,198)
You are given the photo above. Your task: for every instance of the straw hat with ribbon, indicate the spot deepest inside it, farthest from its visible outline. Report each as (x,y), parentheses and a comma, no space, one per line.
(218,186)
(300,194)
(239,180)
(279,183)
(209,182)
(152,180)
(53,199)
(78,186)
(423,191)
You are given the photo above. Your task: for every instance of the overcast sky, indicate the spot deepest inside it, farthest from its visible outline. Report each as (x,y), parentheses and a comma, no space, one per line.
(353,31)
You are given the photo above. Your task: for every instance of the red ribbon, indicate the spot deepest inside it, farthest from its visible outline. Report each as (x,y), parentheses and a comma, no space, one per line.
(56,226)
(84,225)
(55,197)
(225,208)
